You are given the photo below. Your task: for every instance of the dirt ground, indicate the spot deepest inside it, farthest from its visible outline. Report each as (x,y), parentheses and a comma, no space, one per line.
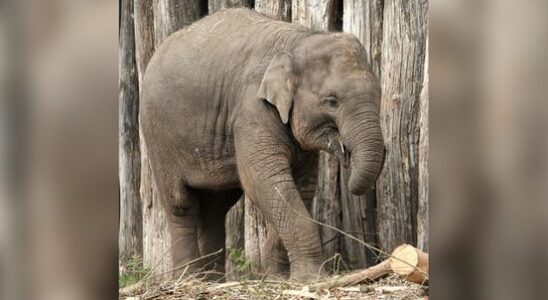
(391,287)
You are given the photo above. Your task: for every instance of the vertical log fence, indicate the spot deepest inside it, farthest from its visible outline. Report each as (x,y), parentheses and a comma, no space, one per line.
(394,34)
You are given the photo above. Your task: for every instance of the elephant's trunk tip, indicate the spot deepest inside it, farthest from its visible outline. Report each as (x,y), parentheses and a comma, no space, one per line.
(365,170)
(359,186)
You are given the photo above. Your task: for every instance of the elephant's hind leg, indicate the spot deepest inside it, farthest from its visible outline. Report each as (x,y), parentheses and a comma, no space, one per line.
(182,208)
(211,228)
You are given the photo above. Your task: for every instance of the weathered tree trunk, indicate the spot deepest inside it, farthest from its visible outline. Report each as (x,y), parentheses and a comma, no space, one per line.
(156,239)
(131,230)
(403,54)
(215,5)
(279,9)
(256,227)
(256,230)
(326,206)
(364,20)
(156,20)
(144,35)
(385,28)
(424,193)
(315,14)
(235,224)
(172,15)
(234,241)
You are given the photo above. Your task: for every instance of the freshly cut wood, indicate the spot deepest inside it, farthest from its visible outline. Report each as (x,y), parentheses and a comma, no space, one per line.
(406,261)
(411,263)
(371,273)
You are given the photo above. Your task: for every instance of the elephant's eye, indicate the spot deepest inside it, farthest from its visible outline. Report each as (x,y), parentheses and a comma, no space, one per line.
(330,102)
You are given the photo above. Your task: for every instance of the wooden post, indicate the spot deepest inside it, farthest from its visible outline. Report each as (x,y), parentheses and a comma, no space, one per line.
(131,231)
(156,238)
(402,189)
(256,227)
(215,5)
(144,35)
(235,226)
(364,20)
(403,55)
(172,15)
(315,14)
(245,226)
(326,206)
(256,230)
(279,9)
(156,20)
(424,193)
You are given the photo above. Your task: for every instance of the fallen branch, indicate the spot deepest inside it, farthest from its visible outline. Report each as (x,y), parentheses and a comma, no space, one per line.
(371,273)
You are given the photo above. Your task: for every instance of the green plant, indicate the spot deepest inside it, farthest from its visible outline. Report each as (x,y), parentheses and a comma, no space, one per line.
(131,272)
(242,264)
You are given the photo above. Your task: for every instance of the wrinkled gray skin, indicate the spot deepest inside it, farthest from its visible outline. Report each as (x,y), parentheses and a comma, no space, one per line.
(240,101)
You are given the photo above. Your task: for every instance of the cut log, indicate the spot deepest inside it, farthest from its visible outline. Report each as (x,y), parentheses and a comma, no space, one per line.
(406,261)
(410,263)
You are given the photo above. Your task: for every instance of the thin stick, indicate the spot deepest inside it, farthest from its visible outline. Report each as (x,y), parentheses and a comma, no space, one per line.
(162,258)
(190,262)
(370,247)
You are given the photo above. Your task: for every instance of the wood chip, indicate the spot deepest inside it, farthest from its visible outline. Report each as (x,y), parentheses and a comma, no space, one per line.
(301,293)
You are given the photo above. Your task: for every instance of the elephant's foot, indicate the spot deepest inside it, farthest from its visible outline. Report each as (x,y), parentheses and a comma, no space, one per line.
(275,263)
(276,270)
(307,271)
(206,269)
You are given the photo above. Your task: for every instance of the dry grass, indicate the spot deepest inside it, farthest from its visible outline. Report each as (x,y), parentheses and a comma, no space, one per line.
(192,287)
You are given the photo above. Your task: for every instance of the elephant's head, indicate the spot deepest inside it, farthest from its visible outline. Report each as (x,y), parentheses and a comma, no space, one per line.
(326,91)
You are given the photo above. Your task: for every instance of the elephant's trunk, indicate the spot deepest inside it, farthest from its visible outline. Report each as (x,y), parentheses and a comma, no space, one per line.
(362,136)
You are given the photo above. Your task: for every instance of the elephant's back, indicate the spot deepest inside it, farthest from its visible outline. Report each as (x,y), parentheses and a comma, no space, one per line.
(229,42)
(210,63)
(196,80)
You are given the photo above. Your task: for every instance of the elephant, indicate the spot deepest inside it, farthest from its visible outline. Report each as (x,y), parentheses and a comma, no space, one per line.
(239,102)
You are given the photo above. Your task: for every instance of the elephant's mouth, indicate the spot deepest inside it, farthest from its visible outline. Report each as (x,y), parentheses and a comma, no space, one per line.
(337,147)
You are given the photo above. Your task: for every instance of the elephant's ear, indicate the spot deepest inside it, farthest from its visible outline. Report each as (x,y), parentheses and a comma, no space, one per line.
(277,86)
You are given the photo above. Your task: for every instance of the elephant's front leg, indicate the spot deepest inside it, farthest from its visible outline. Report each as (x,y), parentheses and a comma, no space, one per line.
(305,173)
(274,260)
(265,173)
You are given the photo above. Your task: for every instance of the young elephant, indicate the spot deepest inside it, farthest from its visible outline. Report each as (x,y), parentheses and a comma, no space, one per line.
(241,101)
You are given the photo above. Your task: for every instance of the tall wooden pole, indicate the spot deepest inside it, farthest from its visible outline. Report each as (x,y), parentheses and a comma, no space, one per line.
(131,230)
(403,55)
